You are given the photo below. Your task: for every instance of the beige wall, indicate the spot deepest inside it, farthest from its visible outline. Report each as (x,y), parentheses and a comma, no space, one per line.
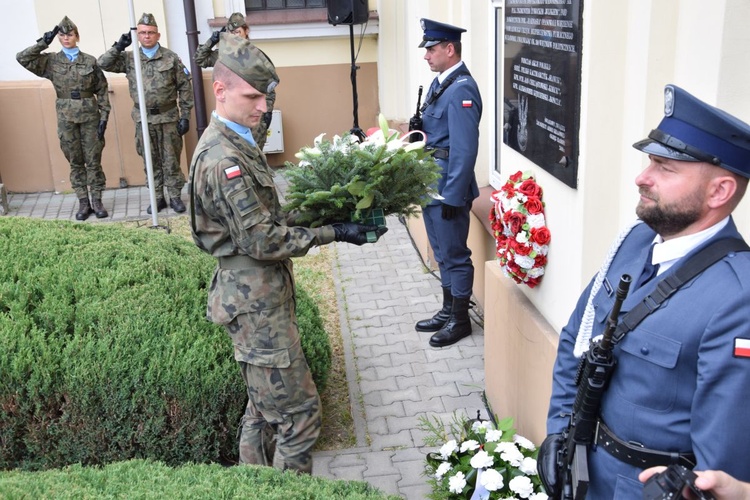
(312,99)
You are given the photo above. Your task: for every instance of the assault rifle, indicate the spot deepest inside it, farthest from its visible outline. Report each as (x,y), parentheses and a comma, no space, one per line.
(415,123)
(592,378)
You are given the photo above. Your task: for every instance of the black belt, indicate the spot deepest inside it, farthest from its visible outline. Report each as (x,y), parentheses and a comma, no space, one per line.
(439,153)
(157,110)
(75,94)
(236,262)
(637,455)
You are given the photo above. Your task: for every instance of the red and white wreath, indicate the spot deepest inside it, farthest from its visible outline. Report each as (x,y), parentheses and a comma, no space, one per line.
(518,223)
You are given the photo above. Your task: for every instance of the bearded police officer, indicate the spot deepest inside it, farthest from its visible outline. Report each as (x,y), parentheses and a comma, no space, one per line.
(169,100)
(236,217)
(82,110)
(450,115)
(678,393)
(206,56)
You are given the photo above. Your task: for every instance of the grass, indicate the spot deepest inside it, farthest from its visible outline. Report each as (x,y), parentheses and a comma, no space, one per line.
(315,273)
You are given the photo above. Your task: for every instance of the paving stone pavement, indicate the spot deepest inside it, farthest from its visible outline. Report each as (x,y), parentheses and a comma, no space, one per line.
(394,376)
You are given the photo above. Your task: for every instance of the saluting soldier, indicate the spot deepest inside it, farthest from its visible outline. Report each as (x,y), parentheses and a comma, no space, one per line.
(206,56)
(82,107)
(236,216)
(169,100)
(450,116)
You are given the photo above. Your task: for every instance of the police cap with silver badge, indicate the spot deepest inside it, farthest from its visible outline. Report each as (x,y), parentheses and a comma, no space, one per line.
(435,33)
(67,26)
(148,20)
(236,21)
(248,62)
(692,130)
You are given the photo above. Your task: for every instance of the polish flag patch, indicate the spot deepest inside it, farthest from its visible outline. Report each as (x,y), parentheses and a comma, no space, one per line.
(232,172)
(467,104)
(741,348)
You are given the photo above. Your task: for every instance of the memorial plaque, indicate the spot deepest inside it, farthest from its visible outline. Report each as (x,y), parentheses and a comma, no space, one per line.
(542,83)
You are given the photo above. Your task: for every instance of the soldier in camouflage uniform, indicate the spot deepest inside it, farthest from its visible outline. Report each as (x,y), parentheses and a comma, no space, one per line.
(82,110)
(236,217)
(169,99)
(206,56)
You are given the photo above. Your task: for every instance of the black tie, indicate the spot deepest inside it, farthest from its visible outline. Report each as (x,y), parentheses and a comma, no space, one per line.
(433,87)
(649,270)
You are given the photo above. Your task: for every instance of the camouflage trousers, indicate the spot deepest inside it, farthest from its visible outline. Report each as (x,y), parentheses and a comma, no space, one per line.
(83,150)
(281,392)
(166,148)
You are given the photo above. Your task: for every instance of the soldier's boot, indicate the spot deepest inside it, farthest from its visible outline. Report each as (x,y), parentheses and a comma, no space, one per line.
(440,318)
(177,204)
(161,204)
(98,207)
(84,209)
(457,327)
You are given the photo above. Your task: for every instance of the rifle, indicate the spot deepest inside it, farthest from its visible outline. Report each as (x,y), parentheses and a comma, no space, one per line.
(593,375)
(415,123)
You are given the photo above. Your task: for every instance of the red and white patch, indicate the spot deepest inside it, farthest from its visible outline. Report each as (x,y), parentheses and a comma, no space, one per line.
(232,172)
(467,104)
(741,348)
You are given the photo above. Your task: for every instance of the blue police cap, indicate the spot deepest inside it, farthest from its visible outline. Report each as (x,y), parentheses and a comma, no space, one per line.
(695,131)
(435,32)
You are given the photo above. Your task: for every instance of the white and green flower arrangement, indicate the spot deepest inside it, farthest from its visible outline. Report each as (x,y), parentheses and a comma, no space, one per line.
(480,460)
(346,179)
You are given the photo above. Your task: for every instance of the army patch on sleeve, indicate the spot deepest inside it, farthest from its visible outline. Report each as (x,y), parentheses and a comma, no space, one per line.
(741,348)
(232,172)
(467,103)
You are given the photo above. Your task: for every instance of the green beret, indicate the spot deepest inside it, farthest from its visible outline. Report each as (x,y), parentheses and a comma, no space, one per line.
(236,20)
(248,62)
(66,26)
(148,20)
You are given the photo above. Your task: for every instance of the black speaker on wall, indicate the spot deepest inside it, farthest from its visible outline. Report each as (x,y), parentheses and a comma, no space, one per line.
(347,12)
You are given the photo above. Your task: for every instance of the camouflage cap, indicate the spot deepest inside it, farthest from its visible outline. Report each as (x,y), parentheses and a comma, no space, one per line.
(148,20)
(66,26)
(236,20)
(248,62)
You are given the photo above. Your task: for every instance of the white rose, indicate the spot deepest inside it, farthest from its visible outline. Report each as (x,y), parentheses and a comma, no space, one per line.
(491,479)
(457,483)
(482,460)
(521,485)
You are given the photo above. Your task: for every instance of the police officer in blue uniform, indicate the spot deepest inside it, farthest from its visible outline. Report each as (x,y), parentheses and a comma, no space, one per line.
(679,392)
(453,108)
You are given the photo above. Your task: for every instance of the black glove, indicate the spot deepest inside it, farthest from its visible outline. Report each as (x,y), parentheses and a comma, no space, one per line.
(183,126)
(49,36)
(351,232)
(124,41)
(449,211)
(546,464)
(101,129)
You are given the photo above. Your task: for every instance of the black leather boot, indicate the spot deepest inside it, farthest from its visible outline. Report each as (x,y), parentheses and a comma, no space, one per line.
(457,327)
(440,318)
(84,209)
(98,207)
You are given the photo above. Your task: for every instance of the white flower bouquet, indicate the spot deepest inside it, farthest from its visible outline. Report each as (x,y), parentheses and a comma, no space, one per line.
(481,460)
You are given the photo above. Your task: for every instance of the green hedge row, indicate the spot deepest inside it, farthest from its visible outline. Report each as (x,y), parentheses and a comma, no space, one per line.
(147,479)
(107,354)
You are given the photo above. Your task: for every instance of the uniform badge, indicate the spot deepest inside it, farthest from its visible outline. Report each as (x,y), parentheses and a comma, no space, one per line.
(467,103)
(741,348)
(232,172)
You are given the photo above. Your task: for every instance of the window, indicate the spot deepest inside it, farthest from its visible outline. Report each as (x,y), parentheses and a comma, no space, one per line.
(283,4)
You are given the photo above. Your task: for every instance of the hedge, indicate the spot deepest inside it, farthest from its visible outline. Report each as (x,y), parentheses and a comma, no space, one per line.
(107,354)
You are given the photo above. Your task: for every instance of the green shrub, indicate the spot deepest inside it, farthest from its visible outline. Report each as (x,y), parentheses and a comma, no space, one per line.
(107,354)
(147,479)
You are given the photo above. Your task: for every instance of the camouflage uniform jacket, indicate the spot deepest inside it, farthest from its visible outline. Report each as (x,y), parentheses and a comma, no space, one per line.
(206,57)
(236,211)
(166,82)
(82,75)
